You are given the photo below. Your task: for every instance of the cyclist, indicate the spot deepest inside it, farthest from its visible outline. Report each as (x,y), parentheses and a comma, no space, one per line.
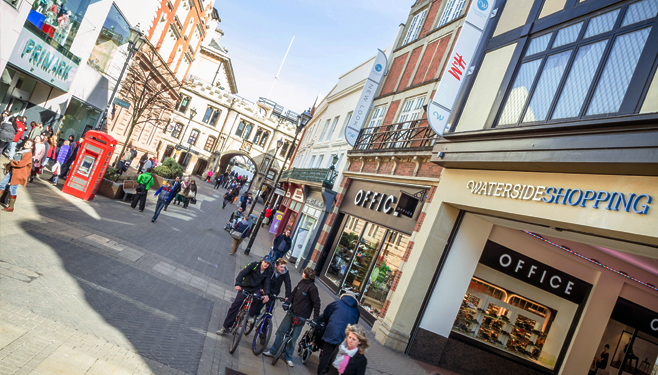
(279,276)
(305,300)
(254,278)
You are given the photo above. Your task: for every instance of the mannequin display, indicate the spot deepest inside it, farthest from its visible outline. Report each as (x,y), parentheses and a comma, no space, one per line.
(64,27)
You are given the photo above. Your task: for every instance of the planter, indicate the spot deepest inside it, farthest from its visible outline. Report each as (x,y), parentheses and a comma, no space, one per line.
(110,189)
(158,181)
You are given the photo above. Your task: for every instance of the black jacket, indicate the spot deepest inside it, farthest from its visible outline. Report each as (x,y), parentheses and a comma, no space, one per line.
(305,299)
(176,189)
(277,281)
(277,242)
(251,279)
(356,366)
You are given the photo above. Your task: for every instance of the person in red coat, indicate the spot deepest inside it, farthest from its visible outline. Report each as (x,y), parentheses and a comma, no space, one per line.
(17,175)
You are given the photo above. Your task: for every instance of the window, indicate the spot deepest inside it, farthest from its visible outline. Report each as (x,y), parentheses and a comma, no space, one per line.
(284,149)
(259,132)
(452,10)
(110,51)
(194,135)
(324,130)
(579,70)
(412,109)
(414,27)
(319,164)
(244,130)
(348,118)
(211,116)
(210,142)
(310,165)
(184,104)
(58,20)
(263,138)
(377,116)
(333,128)
(178,128)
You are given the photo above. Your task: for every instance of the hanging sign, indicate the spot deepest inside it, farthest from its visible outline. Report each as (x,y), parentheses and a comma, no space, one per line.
(367,95)
(458,64)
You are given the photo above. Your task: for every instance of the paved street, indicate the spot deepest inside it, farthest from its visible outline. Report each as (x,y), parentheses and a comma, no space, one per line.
(96,288)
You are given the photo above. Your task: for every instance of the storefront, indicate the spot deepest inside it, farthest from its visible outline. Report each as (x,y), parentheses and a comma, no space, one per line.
(375,222)
(291,205)
(538,273)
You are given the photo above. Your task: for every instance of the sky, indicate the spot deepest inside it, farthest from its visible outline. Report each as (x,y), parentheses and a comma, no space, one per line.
(331,38)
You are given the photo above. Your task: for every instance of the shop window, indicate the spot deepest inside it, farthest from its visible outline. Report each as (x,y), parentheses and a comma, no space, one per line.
(580,70)
(414,27)
(284,149)
(343,253)
(194,135)
(178,128)
(211,116)
(184,104)
(452,10)
(210,142)
(78,118)
(59,20)
(111,49)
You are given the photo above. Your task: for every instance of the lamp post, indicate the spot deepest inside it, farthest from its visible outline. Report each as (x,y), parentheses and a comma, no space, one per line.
(279,144)
(182,135)
(302,120)
(136,41)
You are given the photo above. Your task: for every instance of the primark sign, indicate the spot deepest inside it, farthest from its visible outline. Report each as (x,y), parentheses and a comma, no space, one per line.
(40,56)
(601,199)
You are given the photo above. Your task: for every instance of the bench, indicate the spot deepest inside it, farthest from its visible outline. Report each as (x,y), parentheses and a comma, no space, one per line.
(129,187)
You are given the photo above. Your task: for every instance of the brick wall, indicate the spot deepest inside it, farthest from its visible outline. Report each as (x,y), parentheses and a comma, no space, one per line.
(419,222)
(409,70)
(407,251)
(437,58)
(390,114)
(425,63)
(429,20)
(394,74)
(429,170)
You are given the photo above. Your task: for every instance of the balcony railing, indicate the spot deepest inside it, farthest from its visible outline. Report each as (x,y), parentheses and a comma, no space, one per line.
(405,135)
(322,176)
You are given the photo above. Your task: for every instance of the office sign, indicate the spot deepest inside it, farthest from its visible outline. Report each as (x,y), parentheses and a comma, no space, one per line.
(34,54)
(407,204)
(458,64)
(367,95)
(636,316)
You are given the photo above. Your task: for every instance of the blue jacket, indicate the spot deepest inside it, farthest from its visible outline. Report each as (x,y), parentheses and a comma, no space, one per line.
(278,240)
(337,316)
(243,226)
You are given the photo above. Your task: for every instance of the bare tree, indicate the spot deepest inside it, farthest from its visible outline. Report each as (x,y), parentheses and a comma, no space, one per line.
(152,89)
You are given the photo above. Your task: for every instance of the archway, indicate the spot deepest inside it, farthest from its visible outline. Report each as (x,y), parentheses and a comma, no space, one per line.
(226,158)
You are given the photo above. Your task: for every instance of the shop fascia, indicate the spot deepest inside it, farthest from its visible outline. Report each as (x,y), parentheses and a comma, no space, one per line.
(638,203)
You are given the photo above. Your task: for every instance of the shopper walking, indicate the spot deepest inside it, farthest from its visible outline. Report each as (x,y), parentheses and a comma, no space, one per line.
(180,197)
(17,174)
(349,357)
(35,130)
(51,149)
(75,147)
(7,132)
(281,244)
(62,157)
(254,278)
(189,193)
(145,181)
(37,156)
(163,194)
(209,176)
(18,123)
(336,317)
(142,161)
(174,191)
(228,198)
(241,226)
(304,300)
(218,180)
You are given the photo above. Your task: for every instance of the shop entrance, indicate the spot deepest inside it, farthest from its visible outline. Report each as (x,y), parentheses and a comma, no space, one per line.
(200,167)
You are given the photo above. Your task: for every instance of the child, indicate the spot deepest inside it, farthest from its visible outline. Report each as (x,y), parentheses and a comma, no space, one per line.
(62,157)
(163,196)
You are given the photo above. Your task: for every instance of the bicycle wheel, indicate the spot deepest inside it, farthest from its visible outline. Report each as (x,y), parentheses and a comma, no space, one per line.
(238,331)
(282,347)
(249,327)
(306,354)
(262,335)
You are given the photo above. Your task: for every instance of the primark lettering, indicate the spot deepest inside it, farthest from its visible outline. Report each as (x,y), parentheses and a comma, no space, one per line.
(610,200)
(48,61)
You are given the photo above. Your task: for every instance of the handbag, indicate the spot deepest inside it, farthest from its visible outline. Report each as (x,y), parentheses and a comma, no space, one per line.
(193,200)
(236,235)
(141,188)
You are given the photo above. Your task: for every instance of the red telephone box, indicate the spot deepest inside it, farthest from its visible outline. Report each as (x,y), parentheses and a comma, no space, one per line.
(90,165)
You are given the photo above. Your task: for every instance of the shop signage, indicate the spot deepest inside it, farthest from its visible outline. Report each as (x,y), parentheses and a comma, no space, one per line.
(407,204)
(610,200)
(534,273)
(278,216)
(315,203)
(297,195)
(279,191)
(636,316)
(374,201)
(123,103)
(35,55)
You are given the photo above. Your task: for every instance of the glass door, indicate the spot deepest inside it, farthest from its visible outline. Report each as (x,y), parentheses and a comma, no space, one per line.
(336,268)
(364,257)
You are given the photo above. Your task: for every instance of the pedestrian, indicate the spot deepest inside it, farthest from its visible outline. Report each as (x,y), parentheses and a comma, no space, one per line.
(148,164)
(243,202)
(281,244)
(62,157)
(349,357)
(180,196)
(36,129)
(237,214)
(3,116)
(304,300)
(174,191)
(142,161)
(19,128)
(280,276)
(189,193)
(48,131)
(37,156)
(74,146)
(218,180)
(241,226)
(163,194)
(209,176)
(254,278)
(7,132)
(17,172)
(228,198)
(51,149)
(268,214)
(133,155)
(336,317)
(145,181)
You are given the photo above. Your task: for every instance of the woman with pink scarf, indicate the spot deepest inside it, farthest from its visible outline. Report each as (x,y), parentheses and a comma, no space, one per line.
(349,357)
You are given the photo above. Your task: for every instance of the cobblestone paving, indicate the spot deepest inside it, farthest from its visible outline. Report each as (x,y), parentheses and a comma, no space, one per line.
(96,288)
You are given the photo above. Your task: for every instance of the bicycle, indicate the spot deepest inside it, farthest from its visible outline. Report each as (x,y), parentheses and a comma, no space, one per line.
(287,338)
(308,344)
(239,325)
(264,328)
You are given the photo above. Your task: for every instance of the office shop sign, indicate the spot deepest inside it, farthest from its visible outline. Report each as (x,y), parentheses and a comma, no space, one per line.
(38,57)
(601,199)
(534,272)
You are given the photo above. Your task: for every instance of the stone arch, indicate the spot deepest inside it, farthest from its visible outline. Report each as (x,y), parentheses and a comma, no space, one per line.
(228,155)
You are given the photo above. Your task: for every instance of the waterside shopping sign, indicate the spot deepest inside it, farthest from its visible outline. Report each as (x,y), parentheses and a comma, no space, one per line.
(601,199)
(34,54)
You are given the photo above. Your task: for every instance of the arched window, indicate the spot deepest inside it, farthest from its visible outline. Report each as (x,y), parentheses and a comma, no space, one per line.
(210,142)
(240,129)
(178,128)
(194,135)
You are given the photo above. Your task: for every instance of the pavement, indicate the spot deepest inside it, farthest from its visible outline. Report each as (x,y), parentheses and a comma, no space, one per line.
(93,287)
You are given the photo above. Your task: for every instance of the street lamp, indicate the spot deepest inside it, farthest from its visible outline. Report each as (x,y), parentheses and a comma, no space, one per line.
(187,148)
(136,41)
(279,144)
(302,121)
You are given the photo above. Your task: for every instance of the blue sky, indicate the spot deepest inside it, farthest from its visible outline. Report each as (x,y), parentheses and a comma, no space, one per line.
(331,38)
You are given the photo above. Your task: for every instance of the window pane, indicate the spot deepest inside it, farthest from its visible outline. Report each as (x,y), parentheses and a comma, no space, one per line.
(579,80)
(567,35)
(601,24)
(618,72)
(538,44)
(214,118)
(111,48)
(207,115)
(545,91)
(519,93)
(640,11)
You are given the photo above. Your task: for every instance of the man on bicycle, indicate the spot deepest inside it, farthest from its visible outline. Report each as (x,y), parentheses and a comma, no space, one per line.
(304,300)
(254,278)
(280,276)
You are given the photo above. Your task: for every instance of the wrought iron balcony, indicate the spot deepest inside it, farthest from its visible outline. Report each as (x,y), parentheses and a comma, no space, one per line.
(317,176)
(404,135)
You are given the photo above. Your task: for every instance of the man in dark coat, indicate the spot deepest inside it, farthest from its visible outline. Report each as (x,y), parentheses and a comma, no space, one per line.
(304,300)
(281,244)
(280,276)
(336,316)
(254,278)
(175,189)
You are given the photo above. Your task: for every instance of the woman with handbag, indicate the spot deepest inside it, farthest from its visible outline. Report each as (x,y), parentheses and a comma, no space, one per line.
(17,173)
(180,197)
(145,181)
(38,155)
(62,157)
(189,193)
(241,230)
